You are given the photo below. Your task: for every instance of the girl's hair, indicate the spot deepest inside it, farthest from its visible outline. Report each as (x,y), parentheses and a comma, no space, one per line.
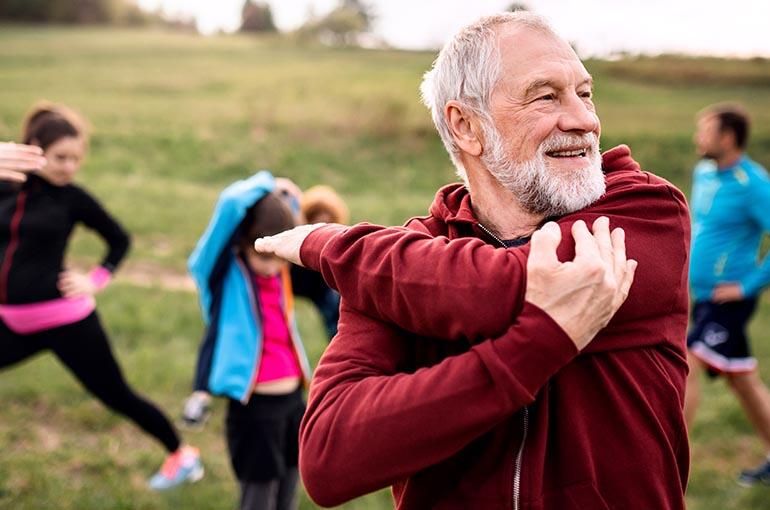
(47,123)
(323,199)
(269,216)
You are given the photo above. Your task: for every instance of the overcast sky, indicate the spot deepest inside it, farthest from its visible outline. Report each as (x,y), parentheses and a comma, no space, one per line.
(597,27)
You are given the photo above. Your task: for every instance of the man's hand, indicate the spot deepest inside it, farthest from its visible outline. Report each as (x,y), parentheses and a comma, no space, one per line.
(287,244)
(727,292)
(73,284)
(581,295)
(17,160)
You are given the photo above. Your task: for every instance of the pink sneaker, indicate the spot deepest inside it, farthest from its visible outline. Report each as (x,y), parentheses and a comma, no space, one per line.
(184,465)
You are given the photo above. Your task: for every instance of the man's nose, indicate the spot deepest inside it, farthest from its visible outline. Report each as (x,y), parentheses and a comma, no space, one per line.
(577,116)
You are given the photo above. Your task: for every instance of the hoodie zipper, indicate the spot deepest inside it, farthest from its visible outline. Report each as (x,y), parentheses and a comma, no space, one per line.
(517,462)
(525,417)
(490,234)
(13,244)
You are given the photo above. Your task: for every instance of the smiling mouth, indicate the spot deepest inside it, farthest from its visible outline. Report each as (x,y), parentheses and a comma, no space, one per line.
(571,153)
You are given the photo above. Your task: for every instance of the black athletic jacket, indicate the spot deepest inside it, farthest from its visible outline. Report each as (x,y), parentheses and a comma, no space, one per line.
(36,220)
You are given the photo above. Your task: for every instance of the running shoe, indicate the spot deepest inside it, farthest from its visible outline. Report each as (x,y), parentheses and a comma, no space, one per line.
(184,465)
(197,409)
(760,474)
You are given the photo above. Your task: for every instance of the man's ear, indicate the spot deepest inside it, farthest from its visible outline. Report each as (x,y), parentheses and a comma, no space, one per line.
(464,127)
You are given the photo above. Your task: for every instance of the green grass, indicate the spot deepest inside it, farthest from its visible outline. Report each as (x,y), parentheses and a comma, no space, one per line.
(176,117)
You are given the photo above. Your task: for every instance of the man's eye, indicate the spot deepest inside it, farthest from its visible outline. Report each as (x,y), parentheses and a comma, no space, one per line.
(547,97)
(587,94)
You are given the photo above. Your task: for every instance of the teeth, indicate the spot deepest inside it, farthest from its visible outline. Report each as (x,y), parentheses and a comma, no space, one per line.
(567,154)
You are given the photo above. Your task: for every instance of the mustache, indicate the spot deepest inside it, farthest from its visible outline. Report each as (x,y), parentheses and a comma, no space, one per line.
(566,141)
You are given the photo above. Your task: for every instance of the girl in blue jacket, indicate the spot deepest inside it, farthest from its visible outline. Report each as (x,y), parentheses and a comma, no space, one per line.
(251,352)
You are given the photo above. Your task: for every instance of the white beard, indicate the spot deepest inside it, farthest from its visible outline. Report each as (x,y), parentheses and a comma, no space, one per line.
(540,189)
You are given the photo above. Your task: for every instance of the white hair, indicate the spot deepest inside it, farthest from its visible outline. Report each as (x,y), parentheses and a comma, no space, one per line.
(467,69)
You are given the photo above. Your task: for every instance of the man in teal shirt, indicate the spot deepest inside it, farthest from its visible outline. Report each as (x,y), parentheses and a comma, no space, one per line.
(731,213)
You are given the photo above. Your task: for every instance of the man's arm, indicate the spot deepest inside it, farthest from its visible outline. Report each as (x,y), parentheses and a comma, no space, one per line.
(758,279)
(370,423)
(368,426)
(468,289)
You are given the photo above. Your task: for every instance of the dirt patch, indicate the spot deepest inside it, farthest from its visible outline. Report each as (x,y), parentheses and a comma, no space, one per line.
(47,436)
(150,275)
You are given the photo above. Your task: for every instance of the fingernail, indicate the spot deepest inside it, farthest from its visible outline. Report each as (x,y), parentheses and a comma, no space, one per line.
(551,226)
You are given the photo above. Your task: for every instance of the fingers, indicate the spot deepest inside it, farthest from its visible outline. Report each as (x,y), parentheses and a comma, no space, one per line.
(586,247)
(266,245)
(68,288)
(286,245)
(12,176)
(20,148)
(544,244)
(20,158)
(628,277)
(619,253)
(69,284)
(601,232)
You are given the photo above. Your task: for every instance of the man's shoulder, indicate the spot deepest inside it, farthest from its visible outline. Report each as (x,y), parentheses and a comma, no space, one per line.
(754,172)
(427,224)
(640,186)
(703,168)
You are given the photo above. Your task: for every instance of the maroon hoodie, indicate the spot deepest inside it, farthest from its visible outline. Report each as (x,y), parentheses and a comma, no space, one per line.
(445,384)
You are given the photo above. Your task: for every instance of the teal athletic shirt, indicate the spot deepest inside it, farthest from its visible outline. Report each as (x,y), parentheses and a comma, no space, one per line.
(730,214)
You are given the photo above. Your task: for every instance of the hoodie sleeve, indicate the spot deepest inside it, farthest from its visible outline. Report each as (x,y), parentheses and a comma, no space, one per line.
(229,211)
(467,289)
(426,285)
(369,423)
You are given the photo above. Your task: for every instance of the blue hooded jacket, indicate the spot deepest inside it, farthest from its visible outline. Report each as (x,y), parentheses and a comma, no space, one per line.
(229,354)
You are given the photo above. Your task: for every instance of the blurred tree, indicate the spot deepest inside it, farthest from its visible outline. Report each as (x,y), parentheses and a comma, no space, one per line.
(120,12)
(84,11)
(363,9)
(24,10)
(342,26)
(256,17)
(517,6)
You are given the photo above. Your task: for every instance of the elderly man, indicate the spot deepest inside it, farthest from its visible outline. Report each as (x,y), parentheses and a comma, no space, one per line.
(472,368)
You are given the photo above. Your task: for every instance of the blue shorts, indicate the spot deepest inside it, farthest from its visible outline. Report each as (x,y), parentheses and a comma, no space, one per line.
(717,336)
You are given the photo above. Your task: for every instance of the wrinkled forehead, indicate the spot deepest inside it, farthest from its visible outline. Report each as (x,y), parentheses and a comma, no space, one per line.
(529,55)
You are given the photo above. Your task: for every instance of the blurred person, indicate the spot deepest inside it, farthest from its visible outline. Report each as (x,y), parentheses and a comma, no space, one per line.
(483,358)
(320,204)
(44,306)
(251,352)
(730,196)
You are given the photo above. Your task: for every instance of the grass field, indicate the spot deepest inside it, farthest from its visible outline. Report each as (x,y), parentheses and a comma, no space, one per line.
(177,117)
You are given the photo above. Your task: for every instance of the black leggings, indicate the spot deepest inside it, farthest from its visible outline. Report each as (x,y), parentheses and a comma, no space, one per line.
(84,349)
